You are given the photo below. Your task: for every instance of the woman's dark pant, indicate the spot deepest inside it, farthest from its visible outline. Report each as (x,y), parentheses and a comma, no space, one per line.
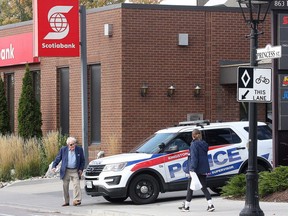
(202,179)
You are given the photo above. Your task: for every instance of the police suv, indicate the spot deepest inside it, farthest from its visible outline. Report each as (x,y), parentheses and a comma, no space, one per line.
(157,164)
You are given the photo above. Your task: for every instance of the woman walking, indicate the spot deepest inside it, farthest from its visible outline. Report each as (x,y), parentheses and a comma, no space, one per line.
(198,163)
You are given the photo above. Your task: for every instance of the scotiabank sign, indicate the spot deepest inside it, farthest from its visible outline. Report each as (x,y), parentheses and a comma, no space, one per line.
(56,27)
(17,49)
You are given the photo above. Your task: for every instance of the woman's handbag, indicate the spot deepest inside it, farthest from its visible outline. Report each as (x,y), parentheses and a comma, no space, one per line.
(195,183)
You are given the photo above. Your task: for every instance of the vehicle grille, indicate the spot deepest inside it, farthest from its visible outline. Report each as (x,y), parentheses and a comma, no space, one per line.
(94,170)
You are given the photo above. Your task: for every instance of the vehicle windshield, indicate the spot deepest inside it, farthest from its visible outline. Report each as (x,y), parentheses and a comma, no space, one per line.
(151,144)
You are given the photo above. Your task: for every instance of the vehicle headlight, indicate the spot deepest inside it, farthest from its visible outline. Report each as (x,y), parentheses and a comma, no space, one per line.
(114,167)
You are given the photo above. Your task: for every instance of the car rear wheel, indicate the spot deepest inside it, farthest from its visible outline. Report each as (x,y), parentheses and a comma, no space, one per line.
(143,189)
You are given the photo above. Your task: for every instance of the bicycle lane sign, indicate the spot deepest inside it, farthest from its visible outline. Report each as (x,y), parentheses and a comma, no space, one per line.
(254,84)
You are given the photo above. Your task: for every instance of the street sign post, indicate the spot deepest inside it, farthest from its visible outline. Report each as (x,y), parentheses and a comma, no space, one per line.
(254,84)
(269,52)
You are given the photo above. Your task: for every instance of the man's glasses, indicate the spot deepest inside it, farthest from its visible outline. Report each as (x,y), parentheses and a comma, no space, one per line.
(72,144)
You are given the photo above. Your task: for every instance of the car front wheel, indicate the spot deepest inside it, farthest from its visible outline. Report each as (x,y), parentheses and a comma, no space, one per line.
(143,189)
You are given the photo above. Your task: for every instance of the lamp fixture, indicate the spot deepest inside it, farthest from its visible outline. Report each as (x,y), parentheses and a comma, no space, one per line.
(197,91)
(171,91)
(144,90)
(108,30)
(258,10)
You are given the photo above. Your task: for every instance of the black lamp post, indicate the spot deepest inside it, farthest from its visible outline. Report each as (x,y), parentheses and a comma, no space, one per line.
(255,14)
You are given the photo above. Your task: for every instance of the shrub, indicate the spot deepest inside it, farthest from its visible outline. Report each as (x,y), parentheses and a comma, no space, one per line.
(7,151)
(27,162)
(275,181)
(29,114)
(235,187)
(269,182)
(24,158)
(51,144)
(4,114)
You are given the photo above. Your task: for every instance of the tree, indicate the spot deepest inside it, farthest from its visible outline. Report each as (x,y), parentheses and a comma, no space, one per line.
(99,3)
(4,113)
(13,11)
(29,114)
(146,1)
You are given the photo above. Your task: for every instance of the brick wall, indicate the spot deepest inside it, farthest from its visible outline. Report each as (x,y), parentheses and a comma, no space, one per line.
(144,49)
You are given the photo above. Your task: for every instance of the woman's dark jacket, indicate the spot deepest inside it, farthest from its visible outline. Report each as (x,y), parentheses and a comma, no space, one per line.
(198,158)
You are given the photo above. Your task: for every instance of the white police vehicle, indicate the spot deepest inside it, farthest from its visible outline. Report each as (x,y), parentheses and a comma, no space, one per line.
(157,164)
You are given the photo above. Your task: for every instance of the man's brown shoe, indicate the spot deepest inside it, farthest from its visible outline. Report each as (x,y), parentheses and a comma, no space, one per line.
(76,202)
(65,204)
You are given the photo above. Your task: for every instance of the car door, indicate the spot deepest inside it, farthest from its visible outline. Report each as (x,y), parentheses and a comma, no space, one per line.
(227,150)
(176,157)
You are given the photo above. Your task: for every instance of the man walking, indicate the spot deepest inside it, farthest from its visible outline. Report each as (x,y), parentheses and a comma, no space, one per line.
(72,166)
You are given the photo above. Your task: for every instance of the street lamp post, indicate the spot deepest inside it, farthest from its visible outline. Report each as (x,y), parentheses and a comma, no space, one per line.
(256,13)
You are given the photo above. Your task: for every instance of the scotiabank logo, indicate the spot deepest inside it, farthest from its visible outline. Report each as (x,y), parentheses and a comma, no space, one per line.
(56,28)
(58,22)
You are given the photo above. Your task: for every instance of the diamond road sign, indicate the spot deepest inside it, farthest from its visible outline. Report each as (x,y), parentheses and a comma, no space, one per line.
(254,84)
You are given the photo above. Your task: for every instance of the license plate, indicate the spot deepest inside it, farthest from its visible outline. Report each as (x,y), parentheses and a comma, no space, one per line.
(88,184)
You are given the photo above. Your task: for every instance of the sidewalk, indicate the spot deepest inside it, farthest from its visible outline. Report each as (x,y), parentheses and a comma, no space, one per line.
(45,195)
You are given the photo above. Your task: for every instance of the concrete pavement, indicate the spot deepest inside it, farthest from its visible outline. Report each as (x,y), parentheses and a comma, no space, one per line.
(45,195)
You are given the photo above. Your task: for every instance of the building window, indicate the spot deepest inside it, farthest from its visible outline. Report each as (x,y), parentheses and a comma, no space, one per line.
(10,90)
(36,85)
(63,95)
(95,103)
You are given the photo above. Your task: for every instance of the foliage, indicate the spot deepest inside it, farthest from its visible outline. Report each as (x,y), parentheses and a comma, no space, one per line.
(146,1)
(50,146)
(29,114)
(28,159)
(13,11)
(235,187)
(269,182)
(275,181)
(99,3)
(21,159)
(4,114)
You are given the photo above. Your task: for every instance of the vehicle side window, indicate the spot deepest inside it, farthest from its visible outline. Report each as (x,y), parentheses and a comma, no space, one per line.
(221,136)
(264,132)
(182,141)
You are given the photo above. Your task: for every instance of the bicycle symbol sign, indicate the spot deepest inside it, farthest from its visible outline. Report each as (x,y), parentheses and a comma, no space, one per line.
(262,79)
(254,84)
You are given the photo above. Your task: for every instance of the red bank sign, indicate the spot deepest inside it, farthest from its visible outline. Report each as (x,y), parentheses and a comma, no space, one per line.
(56,27)
(17,49)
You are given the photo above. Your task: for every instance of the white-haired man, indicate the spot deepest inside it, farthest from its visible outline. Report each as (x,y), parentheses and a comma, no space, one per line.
(73,162)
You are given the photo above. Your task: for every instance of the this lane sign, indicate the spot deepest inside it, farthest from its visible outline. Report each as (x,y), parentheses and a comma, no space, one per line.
(254,84)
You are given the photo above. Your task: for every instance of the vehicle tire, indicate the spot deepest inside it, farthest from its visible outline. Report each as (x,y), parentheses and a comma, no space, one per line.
(260,168)
(115,200)
(216,190)
(143,189)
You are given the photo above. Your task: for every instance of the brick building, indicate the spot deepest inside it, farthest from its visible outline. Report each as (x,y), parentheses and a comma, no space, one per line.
(143,49)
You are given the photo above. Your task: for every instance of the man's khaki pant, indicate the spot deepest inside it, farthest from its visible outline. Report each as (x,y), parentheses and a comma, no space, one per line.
(72,174)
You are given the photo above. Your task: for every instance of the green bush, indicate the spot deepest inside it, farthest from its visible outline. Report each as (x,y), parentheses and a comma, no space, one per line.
(235,187)
(29,113)
(275,181)
(4,113)
(269,182)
